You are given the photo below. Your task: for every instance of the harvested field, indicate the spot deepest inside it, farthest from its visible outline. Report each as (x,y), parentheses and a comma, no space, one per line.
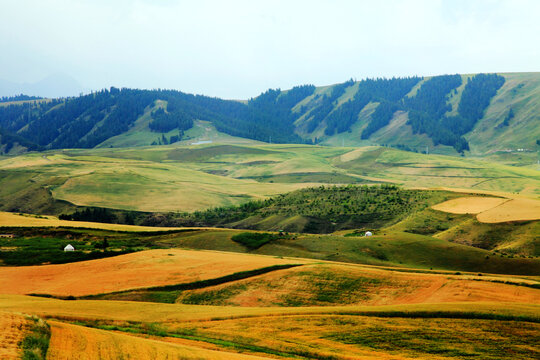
(78,342)
(359,337)
(136,270)
(513,210)
(323,285)
(26,220)
(469,205)
(493,210)
(12,331)
(171,313)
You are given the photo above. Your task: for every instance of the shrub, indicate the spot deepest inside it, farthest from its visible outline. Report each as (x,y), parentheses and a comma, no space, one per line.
(254,240)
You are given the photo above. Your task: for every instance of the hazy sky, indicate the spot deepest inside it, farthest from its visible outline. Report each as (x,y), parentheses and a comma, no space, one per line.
(236,49)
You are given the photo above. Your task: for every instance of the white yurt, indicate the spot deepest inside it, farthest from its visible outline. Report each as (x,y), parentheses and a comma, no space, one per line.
(368,233)
(69,247)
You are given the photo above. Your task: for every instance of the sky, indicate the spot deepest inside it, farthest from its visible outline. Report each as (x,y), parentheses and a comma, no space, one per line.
(236,49)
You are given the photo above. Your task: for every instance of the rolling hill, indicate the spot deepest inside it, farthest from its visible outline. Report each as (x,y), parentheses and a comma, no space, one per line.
(476,114)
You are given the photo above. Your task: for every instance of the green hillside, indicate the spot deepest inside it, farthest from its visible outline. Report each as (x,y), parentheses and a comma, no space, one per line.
(189,178)
(475,114)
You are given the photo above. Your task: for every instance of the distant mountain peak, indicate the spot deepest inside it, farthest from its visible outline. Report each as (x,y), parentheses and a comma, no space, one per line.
(52,86)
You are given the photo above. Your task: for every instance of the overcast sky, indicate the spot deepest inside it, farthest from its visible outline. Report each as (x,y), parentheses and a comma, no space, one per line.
(236,49)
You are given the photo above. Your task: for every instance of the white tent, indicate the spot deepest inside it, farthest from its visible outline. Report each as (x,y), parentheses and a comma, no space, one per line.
(368,233)
(69,247)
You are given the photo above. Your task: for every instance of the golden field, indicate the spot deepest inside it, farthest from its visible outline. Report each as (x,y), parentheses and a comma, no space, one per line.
(26,220)
(12,330)
(131,271)
(493,210)
(78,342)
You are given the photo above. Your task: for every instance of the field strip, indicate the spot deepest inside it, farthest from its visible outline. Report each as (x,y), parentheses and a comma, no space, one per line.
(78,342)
(142,269)
(513,210)
(493,210)
(8,219)
(201,284)
(469,205)
(12,331)
(89,310)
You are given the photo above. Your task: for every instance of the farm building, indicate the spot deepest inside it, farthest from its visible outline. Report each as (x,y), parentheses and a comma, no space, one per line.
(368,233)
(69,247)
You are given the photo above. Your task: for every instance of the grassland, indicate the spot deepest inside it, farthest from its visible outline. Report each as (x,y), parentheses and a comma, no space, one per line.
(486,330)
(520,92)
(320,309)
(177,178)
(460,280)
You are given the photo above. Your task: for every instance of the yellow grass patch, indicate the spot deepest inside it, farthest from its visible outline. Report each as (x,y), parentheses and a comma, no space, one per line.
(136,270)
(469,205)
(358,337)
(356,285)
(513,210)
(78,342)
(493,210)
(12,331)
(171,313)
(12,219)
(355,154)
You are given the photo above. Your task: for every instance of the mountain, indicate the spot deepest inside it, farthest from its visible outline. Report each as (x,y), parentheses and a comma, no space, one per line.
(52,86)
(451,114)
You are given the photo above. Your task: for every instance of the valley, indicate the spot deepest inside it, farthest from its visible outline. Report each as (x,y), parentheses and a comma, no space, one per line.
(317,244)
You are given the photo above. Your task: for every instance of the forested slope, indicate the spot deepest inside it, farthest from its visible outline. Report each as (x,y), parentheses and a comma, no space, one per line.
(464,112)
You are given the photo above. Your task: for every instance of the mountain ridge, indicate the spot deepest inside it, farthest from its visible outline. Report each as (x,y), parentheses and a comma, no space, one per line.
(448,114)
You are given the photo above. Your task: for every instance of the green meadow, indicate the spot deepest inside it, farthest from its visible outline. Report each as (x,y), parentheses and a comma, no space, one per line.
(189,178)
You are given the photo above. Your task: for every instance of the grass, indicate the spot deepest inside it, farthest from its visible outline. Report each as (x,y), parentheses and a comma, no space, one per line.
(520,92)
(36,343)
(159,178)
(254,241)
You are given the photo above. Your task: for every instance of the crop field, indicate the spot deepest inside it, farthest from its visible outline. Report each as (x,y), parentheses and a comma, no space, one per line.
(446,275)
(469,205)
(131,271)
(78,342)
(493,210)
(331,284)
(8,219)
(516,209)
(12,330)
(349,336)
(322,309)
(431,331)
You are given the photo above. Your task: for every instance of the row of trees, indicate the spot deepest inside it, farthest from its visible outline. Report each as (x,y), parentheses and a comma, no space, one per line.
(88,120)
(429,118)
(385,91)
(326,207)
(20,97)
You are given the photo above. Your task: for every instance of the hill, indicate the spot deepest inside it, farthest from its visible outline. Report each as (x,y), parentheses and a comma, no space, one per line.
(169,303)
(193,178)
(480,113)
